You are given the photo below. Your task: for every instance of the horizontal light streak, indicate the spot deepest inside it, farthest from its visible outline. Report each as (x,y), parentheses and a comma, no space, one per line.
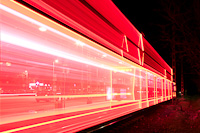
(61,96)
(29,44)
(72,117)
(48,50)
(68,109)
(67,118)
(94,122)
(50,29)
(34,21)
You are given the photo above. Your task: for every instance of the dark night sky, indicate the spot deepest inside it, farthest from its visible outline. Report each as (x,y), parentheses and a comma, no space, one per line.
(144,15)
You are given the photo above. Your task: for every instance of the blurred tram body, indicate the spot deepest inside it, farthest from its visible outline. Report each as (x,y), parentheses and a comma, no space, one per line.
(82,58)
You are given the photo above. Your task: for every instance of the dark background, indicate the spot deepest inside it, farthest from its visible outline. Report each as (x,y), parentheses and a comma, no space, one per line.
(169,23)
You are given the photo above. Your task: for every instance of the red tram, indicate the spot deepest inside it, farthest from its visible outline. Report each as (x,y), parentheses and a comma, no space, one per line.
(96,65)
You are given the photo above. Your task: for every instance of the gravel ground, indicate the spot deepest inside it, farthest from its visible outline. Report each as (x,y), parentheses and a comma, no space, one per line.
(181,116)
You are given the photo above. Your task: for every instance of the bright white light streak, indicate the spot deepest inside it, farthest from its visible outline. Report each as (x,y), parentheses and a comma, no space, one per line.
(18,41)
(37,47)
(43,25)
(44,49)
(47,27)
(34,21)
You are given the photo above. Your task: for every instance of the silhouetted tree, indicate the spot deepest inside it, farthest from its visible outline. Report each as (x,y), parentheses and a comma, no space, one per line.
(181,30)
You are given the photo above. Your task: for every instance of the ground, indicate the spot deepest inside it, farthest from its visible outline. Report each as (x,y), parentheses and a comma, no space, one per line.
(180,116)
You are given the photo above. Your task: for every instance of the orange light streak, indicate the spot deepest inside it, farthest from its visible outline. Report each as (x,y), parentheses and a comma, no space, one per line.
(140,104)
(156,87)
(139,56)
(154,90)
(147,91)
(133,91)
(63,119)
(168,90)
